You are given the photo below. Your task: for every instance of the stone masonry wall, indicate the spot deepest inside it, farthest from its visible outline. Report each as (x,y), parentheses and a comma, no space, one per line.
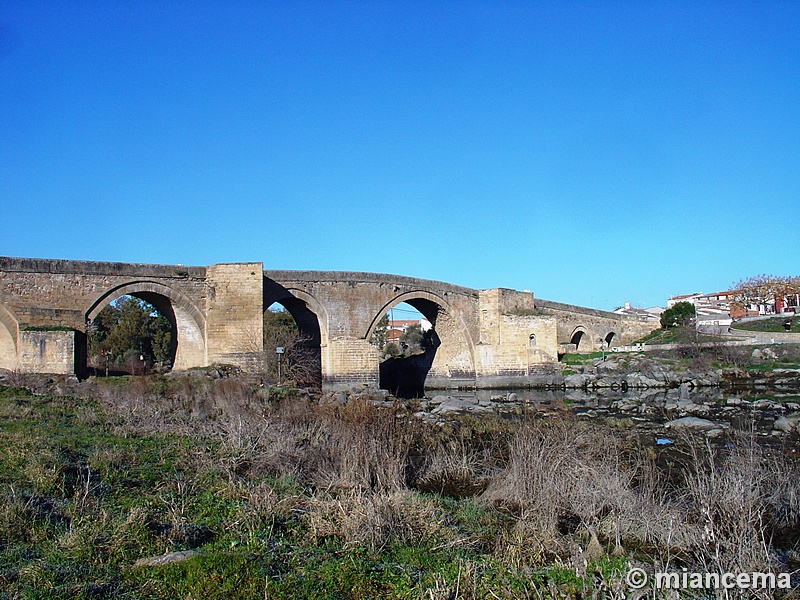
(60,292)
(234,314)
(47,352)
(349,362)
(512,341)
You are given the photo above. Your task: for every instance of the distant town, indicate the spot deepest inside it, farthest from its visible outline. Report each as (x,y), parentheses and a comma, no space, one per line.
(720,309)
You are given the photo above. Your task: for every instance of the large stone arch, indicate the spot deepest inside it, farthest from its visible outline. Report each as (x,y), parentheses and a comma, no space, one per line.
(9,334)
(308,313)
(304,307)
(453,355)
(187,320)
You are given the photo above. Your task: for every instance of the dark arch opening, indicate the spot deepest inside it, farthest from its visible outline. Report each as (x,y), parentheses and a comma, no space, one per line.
(576,339)
(403,373)
(134,334)
(300,339)
(609,338)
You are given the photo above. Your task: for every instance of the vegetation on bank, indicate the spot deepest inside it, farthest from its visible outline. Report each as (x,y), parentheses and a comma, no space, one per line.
(772,325)
(284,497)
(681,334)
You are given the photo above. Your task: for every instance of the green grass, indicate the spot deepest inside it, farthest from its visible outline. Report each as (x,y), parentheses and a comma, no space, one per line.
(771,365)
(580,359)
(773,325)
(84,496)
(661,336)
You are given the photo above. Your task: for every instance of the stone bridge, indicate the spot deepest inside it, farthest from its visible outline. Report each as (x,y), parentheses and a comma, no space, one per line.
(483,338)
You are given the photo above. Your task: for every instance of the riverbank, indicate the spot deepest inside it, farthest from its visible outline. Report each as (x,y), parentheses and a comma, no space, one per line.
(269,492)
(692,365)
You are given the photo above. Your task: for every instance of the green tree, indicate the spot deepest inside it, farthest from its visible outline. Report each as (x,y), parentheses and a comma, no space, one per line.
(681,313)
(378,337)
(412,340)
(130,328)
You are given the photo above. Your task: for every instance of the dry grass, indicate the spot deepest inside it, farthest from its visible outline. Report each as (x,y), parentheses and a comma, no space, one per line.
(742,502)
(530,495)
(566,483)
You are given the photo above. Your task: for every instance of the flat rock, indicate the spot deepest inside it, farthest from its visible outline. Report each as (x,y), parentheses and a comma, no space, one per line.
(165,559)
(690,423)
(457,406)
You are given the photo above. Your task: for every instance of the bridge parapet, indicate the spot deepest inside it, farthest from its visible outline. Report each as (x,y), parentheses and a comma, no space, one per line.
(482,338)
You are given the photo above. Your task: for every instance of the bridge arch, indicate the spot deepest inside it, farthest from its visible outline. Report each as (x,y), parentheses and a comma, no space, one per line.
(448,357)
(188,322)
(609,338)
(310,317)
(581,338)
(9,334)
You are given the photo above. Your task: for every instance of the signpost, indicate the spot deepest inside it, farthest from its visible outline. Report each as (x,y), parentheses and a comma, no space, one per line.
(279,352)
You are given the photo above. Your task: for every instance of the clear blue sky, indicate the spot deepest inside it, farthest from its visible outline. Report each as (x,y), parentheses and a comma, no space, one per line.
(592,152)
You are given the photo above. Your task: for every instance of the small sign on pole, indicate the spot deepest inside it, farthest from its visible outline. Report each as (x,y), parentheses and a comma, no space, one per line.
(279,351)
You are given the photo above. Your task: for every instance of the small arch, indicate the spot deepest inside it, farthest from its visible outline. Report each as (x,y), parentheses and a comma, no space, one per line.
(580,339)
(609,338)
(532,340)
(9,334)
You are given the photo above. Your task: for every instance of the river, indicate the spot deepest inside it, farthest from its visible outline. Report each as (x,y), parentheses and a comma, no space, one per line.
(657,415)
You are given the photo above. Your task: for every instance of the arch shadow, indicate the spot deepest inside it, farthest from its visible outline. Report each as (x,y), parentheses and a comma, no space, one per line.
(407,377)
(9,335)
(581,339)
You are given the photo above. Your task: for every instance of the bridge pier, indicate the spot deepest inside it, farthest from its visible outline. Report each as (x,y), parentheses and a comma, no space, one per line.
(347,362)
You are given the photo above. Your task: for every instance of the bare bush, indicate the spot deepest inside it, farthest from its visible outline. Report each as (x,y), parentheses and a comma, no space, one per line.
(453,468)
(568,480)
(367,447)
(371,519)
(742,500)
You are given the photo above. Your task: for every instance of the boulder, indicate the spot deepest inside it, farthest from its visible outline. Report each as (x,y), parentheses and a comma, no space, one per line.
(578,380)
(625,405)
(643,380)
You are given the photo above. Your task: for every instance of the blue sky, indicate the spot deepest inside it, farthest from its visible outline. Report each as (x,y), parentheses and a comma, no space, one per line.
(592,152)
